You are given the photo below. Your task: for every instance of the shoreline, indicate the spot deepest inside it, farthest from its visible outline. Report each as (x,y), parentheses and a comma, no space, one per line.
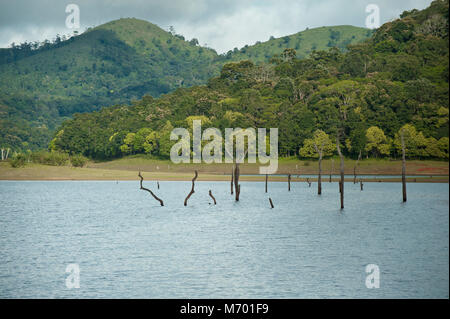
(436,172)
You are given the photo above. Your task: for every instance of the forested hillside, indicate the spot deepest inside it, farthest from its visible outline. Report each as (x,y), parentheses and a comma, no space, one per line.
(399,78)
(302,42)
(43,83)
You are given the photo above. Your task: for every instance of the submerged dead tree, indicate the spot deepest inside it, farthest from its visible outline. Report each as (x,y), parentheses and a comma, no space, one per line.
(356,166)
(232,178)
(192,189)
(402,139)
(213,198)
(267,177)
(237,187)
(271,203)
(319,151)
(151,193)
(341,182)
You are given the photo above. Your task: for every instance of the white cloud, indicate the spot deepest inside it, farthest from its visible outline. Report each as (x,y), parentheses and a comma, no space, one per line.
(223,25)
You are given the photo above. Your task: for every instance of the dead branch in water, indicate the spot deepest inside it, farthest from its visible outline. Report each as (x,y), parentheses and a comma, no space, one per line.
(402,137)
(267,177)
(237,187)
(232,179)
(309,183)
(192,190)
(271,203)
(319,151)
(341,183)
(211,195)
(361,184)
(151,193)
(289,182)
(157,183)
(356,166)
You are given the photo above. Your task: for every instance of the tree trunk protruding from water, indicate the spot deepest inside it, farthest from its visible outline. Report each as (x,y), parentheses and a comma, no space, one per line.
(319,152)
(289,182)
(157,184)
(267,177)
(211,195)
(271,203)
(403,166)
(192,190)
(232,179)
(341,183)
(356,166)
(361,184)
(151,193)
(237,187)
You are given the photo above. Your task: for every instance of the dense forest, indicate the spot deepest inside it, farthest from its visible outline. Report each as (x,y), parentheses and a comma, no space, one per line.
(42,84)
(398,78)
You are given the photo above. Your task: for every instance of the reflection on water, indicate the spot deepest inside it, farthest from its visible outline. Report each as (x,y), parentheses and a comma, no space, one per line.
(126,245)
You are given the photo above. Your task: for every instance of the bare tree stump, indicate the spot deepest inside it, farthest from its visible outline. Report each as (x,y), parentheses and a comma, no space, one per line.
(267,177)
(361,184)
(192,189)
(151,193)
(237,187)
(319,151)
(271,203)
(355,167)
(342,170)
(232,179)
(157,183)
(289,182)
(403,166)
(211,195)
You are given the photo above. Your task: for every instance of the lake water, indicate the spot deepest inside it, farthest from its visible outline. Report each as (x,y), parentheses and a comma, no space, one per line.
(127,246)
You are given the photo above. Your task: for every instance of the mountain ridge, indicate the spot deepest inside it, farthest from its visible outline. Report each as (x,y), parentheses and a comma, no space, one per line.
(398,79)
(113,63)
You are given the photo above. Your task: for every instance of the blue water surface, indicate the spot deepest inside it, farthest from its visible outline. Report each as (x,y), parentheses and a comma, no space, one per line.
(127,246)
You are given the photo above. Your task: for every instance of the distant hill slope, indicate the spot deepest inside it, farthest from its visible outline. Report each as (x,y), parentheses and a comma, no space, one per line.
(303,42)
(115,63)
(399,78)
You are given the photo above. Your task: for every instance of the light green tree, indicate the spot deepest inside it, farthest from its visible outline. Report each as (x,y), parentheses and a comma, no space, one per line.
(127,146)
(319,140)
(443,146)
(151,144)
(165,144)
(377,142)
(415,142)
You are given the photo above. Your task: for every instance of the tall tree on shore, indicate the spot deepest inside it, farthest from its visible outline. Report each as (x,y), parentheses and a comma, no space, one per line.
(318,147)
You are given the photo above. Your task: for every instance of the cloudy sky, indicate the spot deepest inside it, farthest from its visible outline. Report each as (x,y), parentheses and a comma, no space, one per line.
(221,24)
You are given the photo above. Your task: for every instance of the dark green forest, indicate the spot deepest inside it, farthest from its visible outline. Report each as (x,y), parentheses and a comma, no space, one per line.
(396,79)
(41,84)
